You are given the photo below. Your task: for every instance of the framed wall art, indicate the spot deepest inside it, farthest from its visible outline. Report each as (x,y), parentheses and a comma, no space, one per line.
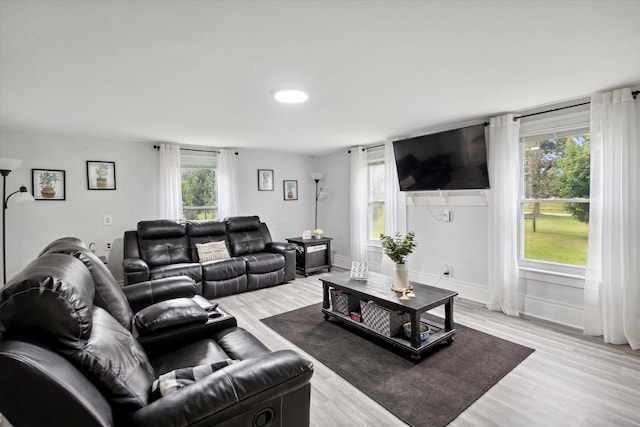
(101,175)
(48,184)
(265,179)
(290,189)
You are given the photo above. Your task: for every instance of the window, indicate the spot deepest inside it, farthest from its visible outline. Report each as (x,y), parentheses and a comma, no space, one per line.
(375,199)
(199,187)
(554,203)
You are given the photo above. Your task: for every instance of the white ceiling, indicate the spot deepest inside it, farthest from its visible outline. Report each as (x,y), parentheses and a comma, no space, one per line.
(204,72)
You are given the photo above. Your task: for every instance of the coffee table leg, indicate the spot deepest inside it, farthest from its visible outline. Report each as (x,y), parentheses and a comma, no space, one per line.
(325,298)
(448,318)
(415,330)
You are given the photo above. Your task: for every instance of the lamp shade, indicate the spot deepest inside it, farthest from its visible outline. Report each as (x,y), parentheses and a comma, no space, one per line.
(322,194)
(317,175)
(7,164)
(22,196)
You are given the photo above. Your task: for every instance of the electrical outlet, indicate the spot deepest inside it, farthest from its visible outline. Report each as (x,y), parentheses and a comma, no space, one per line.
(447,270)
(108,220)
(107,246)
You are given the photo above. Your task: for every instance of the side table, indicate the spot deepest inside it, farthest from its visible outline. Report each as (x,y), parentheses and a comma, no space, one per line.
(312,254)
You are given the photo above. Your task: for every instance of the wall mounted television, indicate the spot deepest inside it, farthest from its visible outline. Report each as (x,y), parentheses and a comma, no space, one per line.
(450,160)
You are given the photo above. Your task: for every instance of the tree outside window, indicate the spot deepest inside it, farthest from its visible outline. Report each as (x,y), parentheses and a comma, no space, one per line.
(556,200)
(199,198)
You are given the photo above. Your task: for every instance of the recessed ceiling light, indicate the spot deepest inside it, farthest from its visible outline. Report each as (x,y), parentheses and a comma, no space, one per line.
(291,96)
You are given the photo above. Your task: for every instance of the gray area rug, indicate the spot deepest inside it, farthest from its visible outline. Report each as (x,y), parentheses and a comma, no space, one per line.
(430,393)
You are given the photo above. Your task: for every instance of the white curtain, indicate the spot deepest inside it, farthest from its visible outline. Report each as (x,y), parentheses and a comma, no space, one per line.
(611,294)
(503,214)
(227,184)
(395,203)
(359,208)
(170,185)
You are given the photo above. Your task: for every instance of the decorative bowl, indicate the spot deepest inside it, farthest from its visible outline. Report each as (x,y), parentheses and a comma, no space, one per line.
(424,330)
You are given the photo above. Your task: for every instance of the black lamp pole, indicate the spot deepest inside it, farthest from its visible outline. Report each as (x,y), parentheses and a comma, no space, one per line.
(316,223)
(4,173)
(23,189)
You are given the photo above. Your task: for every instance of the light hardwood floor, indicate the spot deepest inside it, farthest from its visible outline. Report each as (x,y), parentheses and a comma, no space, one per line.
(570,380)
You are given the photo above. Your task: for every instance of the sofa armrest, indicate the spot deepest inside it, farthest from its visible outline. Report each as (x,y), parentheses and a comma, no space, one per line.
(135,270)
(280,247)
(141,295)
(230,391)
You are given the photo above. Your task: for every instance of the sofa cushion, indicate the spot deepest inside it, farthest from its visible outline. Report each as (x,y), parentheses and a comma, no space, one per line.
(191,269)
(116,363)
(212,251)
(243,223)
(163,242)
(264,262)
(206,231)
(224,269)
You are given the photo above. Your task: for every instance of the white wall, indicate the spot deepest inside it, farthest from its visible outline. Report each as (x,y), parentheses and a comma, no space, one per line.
(31,226)
(461,244)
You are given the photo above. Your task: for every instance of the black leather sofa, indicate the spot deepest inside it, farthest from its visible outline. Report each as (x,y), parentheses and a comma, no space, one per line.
(165,248)
(70,356)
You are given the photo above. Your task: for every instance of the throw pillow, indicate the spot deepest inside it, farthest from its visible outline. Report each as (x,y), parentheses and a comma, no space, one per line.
(212,251)
(173,381)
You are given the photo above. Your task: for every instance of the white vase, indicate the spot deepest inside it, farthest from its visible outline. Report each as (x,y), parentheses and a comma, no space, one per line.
(401,276)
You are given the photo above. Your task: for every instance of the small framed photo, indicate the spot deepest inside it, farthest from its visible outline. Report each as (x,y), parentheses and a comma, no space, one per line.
(265,179)
(48,184)
(359,270)
(290,189)
(101,175)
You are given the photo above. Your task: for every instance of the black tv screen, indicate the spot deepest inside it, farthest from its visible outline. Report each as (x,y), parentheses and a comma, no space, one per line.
(451,160)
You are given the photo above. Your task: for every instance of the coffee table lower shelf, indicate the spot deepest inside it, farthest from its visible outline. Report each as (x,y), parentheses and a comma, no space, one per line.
(437,336)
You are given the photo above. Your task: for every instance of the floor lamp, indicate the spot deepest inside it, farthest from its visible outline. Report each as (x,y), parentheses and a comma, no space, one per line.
(317,176)
(22,195)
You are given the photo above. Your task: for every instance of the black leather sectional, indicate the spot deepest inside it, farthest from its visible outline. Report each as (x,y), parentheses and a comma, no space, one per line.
(164,248)
(72,353)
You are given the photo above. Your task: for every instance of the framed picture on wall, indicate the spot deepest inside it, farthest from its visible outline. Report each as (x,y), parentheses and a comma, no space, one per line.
(48,184)
(265,179)
(290,189)
(101,175)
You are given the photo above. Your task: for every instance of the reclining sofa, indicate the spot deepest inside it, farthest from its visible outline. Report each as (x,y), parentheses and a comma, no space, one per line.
(70,355)
(165,248)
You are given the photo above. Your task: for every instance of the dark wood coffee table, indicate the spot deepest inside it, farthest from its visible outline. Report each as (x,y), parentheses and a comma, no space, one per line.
(378,289)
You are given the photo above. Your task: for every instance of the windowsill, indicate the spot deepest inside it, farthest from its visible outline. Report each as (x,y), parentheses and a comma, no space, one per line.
(555,277)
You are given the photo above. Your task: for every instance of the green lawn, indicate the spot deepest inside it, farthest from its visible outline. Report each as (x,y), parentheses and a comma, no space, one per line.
(558,238)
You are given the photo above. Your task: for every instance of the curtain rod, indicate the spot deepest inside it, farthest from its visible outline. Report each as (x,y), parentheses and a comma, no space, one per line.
(157,147)
(634,94)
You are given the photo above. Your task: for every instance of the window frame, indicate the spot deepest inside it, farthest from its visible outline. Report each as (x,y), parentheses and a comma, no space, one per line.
(555,125)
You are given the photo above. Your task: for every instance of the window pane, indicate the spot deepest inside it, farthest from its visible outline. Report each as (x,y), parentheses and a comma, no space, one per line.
(376,182)
(199,198)
(376,220)
(553,232)
(557,168)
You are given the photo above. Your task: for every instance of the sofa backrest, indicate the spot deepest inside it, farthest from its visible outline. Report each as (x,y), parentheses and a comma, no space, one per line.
(245,235)
(163,242)
(108,293)
(200,232)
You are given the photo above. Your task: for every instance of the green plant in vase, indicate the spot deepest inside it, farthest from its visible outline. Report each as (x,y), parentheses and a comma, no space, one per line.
(397,248)
(101,175)
(48,184)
